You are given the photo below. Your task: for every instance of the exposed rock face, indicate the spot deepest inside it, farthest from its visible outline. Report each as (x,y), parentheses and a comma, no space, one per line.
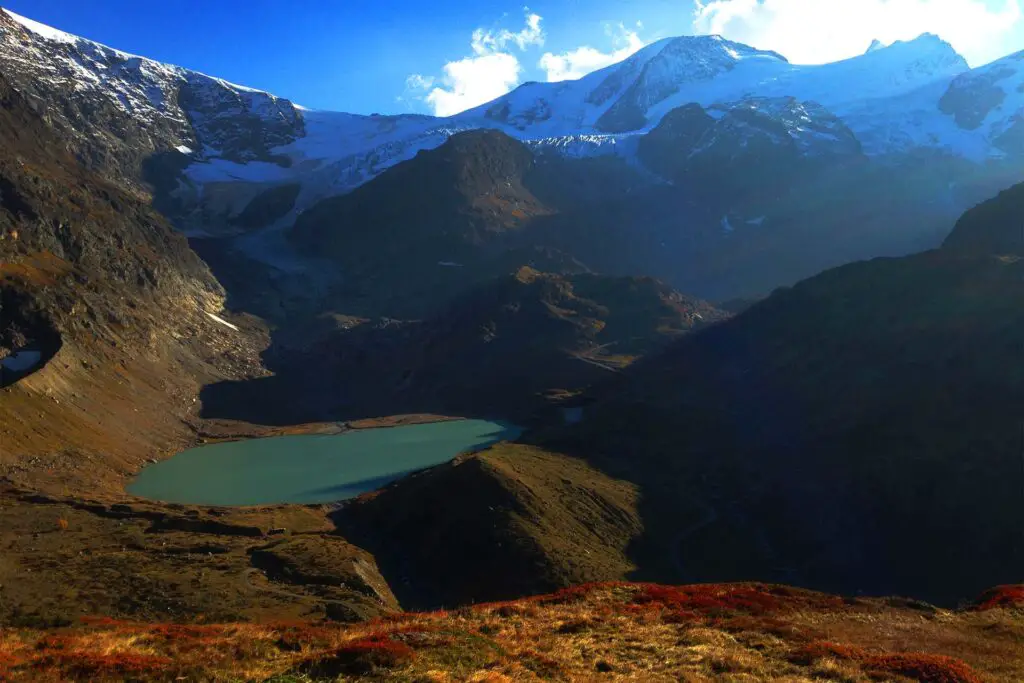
(754,145)
(114,110)
(990,100)
(974,95)
(682,62)
(971,98)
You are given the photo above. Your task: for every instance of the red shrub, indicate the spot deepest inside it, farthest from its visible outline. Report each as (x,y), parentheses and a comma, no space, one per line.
(377,644)
(919,667)
(923,668)
(694,602)
(562,596)
(115,665)
(1002,596)
(55,642)
(8,661)
(573,593)
(360,657)
(295,637)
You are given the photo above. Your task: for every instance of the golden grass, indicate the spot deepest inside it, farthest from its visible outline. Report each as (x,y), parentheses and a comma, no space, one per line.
(607,631)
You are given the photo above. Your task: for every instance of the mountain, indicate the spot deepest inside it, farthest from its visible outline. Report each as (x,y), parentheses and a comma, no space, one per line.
(522,522)
(518,346)
(508,345)
(417,233)
(635,94)
(757,145)
(876,403)
(239,142)
(796,168)
(731,201)
(990,100)
(98,294)
(859,430)
(89,90)
(993,227)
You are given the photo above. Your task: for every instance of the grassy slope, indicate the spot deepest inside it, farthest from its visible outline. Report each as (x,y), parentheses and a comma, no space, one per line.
(638,632)
(508,522)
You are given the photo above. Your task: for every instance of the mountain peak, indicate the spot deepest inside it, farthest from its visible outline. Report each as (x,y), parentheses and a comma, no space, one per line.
(41,30)
(736,51)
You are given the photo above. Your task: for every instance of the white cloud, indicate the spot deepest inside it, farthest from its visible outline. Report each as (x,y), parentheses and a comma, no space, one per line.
(584,60)
(490,72)
(473,81)
(817,31)
(419,82)
(486,42)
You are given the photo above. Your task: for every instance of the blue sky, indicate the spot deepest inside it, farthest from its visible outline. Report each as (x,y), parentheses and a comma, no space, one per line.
(440,57)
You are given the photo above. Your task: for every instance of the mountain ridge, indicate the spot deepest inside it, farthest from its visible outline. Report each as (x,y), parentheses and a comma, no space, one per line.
(331,153)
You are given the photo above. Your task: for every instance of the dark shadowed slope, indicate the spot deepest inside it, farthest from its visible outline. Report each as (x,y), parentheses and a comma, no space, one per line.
(993,227)
(509,348)
(861,430)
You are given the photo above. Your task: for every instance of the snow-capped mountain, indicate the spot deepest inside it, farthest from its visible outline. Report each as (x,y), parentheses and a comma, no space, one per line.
(990,100)
(95,90)
(221,144)
(730,149)
(635,94)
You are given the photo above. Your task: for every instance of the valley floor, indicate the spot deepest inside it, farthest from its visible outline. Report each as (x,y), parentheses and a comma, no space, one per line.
(619,631)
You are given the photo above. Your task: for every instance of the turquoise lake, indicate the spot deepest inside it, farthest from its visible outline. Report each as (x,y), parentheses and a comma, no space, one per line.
(311,468)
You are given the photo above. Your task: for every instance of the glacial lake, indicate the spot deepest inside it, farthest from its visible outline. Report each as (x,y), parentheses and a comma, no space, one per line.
(311,468)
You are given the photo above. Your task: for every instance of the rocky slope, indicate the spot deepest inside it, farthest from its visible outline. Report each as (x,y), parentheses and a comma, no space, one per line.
(755,146)
(991,99)
(112,298)
(119,313)
(117,108)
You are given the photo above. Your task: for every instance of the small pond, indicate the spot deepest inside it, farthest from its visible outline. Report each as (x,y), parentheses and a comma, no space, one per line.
(20,361)
(311,468)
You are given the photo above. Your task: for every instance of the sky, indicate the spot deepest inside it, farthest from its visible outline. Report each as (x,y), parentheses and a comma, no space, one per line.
(397,56)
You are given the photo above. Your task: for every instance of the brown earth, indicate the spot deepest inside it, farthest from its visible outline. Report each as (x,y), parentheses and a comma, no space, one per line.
(67,557)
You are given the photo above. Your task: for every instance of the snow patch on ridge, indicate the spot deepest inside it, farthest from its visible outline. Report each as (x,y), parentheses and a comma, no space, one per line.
(41,29)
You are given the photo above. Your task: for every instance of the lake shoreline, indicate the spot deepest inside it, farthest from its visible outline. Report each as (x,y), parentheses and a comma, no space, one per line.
(225,431)
(281,469)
